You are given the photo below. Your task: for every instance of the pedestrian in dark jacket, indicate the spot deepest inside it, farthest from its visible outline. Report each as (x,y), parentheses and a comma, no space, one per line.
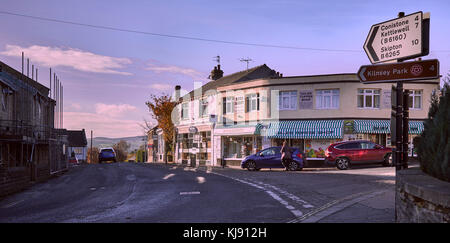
(286,154)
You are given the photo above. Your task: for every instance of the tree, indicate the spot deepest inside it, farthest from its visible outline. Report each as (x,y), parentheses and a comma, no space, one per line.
(161,108)
(433,147)
(121,149)
(92,155)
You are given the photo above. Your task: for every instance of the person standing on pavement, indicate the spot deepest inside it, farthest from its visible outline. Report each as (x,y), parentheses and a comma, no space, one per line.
(286,154)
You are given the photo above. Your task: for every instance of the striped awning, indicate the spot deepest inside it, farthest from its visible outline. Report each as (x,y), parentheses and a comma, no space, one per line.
(384,126)
(299,129)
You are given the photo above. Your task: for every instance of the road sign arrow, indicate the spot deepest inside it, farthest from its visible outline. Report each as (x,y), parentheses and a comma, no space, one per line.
(368,46)
(361,71)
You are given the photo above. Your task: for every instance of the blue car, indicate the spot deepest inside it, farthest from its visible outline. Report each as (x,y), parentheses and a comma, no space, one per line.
(107,154)
(271,158)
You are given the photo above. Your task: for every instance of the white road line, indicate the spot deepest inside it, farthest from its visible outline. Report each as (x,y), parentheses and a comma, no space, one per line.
(168,176)
(334,206)
(297,213)
(12,204)
(189,193)
(289,195)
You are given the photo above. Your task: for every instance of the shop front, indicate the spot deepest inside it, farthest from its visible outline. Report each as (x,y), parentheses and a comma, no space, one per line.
(378,131)
(237,142)
(311,136)
(194,145)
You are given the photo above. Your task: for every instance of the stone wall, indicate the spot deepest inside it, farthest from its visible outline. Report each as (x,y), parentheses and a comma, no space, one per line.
(421,198)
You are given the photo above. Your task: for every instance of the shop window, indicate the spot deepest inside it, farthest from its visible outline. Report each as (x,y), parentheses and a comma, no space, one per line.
(368,98)
(327,99)
(288,100)
(237,147)
(415,99)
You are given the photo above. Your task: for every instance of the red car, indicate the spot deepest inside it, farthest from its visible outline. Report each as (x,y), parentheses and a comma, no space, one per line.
(344,154)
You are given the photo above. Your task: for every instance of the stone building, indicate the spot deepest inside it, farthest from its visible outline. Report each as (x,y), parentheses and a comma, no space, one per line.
(31,149)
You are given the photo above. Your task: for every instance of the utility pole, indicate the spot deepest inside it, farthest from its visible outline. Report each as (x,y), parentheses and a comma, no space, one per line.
(92,159)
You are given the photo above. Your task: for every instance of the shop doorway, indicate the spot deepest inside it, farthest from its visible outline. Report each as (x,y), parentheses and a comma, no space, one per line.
(193,160)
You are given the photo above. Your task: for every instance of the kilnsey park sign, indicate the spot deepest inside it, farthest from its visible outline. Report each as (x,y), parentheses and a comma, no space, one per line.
(402,71)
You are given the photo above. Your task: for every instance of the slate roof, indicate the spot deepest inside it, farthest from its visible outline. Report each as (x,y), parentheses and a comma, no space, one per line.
(262,71)
(77,138)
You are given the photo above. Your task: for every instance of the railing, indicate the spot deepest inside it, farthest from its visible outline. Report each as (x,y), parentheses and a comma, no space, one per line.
(21,128)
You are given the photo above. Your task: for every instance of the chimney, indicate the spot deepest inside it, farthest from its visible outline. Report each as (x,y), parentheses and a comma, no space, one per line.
(177,93)
(216,73)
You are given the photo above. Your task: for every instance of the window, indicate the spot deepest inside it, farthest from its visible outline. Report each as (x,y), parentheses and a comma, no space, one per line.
(368,98)
(229,103)
(366,145)
(203,107)
(288,100)
(3,99)
(327,99)
(185,111)
(252,102)
(348,146)
(268,152)
(415,99)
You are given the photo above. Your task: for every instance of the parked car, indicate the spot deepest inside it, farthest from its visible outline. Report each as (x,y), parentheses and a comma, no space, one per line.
(344,154)
(107,154)
(271,158)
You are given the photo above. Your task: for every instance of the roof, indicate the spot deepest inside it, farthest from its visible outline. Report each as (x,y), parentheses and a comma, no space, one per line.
(77,138)
(262,71)
(28,81)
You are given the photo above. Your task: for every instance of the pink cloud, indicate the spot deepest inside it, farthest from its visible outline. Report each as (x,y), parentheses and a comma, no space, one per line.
(69,57)
(113,110)
(102,126)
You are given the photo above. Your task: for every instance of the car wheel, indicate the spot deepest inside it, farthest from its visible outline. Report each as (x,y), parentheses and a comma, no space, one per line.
(292,166)
(342,163)
(251,166)
(387,160)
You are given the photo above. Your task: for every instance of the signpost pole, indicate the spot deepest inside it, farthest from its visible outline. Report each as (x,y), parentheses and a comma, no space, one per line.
(398,161)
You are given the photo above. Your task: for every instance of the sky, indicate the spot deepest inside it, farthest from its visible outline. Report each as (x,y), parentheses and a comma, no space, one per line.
(109,74)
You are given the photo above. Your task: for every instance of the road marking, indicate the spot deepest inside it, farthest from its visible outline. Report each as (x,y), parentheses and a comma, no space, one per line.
(131,177)
(12,204)
(201,180)
(168,176)
(190,169)
(93,188)
(189,193)
(297,213)
(332,207)
(287,194)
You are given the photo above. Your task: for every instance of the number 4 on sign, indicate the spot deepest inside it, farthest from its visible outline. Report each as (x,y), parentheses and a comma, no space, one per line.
(432,68)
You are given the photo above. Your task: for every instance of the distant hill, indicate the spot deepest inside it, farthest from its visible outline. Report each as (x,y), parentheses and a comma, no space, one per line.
(102,142)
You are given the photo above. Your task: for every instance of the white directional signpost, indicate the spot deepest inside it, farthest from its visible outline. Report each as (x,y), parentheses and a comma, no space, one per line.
(405,37)
(401,38)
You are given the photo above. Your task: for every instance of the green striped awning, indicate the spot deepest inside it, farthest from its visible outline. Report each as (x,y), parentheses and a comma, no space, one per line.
(300,129)
(384,126)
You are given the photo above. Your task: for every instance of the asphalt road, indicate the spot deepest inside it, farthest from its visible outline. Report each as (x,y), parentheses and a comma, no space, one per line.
(137,192)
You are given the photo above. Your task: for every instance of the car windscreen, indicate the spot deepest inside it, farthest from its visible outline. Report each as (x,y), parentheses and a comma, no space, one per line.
(106,151)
